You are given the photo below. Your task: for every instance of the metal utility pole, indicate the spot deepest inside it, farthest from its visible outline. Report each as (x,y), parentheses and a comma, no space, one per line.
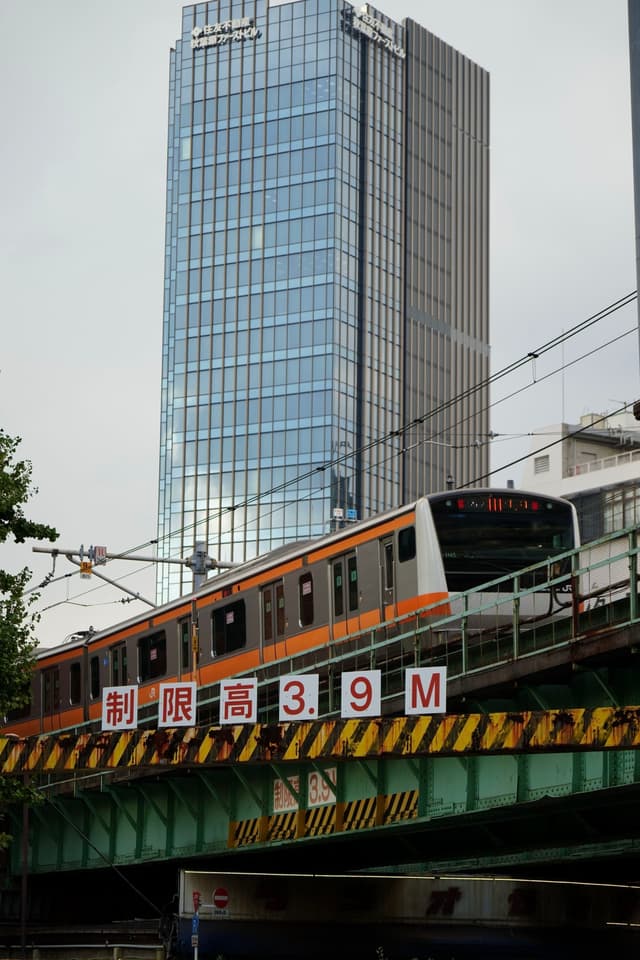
(87,560)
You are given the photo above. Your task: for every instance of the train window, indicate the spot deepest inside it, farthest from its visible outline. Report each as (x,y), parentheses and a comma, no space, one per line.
(267,615)
(352,573)
(94,677)
(185,644)
(273,615)
(75,683)
(338,589)
(119,673)
(280,617)
(387,548)
(50,690)
(152,656)
(305,591)
(406,544)
(229,628)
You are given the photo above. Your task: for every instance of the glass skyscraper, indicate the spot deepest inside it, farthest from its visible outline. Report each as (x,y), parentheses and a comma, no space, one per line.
(325,343)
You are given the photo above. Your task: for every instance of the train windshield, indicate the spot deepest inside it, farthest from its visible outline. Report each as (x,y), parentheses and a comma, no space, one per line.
(484,535)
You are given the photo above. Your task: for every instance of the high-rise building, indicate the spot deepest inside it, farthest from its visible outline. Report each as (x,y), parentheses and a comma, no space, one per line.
(325,347)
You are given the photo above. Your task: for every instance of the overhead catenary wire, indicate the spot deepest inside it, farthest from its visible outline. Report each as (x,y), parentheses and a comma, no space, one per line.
(400,431)
(313,472)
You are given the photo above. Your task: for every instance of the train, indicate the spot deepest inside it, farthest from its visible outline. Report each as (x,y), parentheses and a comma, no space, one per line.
(412,563)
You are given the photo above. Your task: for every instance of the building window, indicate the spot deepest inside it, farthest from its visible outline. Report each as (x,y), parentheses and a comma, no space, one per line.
(541,464)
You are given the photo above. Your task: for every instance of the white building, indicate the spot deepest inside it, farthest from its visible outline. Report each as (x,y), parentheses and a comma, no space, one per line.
(596,464)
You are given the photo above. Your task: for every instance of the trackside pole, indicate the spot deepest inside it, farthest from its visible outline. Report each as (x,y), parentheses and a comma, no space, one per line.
(195,924)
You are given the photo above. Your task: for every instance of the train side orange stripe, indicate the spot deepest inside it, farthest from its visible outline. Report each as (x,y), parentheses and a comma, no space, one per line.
(425,600)
(372,533)
(174,614)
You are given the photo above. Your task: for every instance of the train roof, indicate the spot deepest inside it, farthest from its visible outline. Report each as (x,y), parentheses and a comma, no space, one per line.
(224,578)
(264,561)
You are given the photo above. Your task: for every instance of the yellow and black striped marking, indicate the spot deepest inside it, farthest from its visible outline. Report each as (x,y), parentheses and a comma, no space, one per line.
(283,826)
(363,814)
(320,821)
(601,728)
(401,806)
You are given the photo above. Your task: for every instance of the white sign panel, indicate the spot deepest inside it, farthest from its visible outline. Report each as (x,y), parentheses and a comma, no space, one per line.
(299,697)
(177,707)
(360,693)
(120,708)
(319,793)
(425,690)
(284,799)
(239,701)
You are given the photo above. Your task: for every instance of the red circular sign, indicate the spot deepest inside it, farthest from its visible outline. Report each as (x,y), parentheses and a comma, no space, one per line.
(220,898)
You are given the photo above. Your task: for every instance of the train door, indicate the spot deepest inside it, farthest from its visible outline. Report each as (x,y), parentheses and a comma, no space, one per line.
(50,698)
(388,579)
(119,670)
(273,620)
(345,595)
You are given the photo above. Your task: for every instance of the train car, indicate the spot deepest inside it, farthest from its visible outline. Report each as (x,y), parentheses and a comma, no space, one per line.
(406,563)
(487,535)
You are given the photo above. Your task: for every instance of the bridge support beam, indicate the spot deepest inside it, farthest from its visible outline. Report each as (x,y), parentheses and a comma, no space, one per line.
(387,806)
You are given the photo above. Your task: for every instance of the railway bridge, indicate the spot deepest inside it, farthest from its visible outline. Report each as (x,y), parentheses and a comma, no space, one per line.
(534,767)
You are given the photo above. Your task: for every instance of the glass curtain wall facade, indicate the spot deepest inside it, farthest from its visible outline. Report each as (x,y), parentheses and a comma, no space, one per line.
(314,319)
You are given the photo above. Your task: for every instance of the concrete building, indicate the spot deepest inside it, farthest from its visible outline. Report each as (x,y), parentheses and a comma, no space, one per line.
(326,274)
(596,464)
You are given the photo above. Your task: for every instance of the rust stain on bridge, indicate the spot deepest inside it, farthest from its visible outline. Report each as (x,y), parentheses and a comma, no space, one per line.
(601,728)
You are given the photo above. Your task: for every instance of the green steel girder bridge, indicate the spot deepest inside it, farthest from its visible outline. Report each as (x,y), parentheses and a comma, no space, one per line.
(536,762)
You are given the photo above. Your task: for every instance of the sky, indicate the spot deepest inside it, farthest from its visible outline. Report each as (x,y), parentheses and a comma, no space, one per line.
(83,108)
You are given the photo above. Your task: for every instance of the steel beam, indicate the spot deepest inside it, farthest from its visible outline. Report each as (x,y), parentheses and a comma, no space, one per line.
(601,728)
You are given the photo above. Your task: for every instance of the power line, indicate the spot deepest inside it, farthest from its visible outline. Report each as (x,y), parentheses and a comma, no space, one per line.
(400,432)
(441,408)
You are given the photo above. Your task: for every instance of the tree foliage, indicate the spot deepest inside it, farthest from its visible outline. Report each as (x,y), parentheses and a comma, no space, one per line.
(17,616)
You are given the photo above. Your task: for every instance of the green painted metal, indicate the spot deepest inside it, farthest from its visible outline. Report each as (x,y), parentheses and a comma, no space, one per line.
(178,817)
(174,816)
(454,641)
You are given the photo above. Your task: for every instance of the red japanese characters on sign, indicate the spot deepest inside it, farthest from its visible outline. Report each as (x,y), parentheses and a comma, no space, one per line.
(177,707)
(239,701)
(120,708)
(299,697)
(425,693)
(283,798)
(320,790)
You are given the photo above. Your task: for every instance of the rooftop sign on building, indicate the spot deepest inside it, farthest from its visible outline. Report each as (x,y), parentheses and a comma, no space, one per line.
(376,30)
(217,34)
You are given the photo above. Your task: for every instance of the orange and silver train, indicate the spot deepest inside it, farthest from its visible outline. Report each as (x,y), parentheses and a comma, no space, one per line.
(309,595)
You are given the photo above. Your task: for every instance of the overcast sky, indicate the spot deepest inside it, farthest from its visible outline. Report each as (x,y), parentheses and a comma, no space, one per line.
(83,101)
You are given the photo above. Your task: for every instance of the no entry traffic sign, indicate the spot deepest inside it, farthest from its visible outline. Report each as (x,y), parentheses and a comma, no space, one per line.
(220,898)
